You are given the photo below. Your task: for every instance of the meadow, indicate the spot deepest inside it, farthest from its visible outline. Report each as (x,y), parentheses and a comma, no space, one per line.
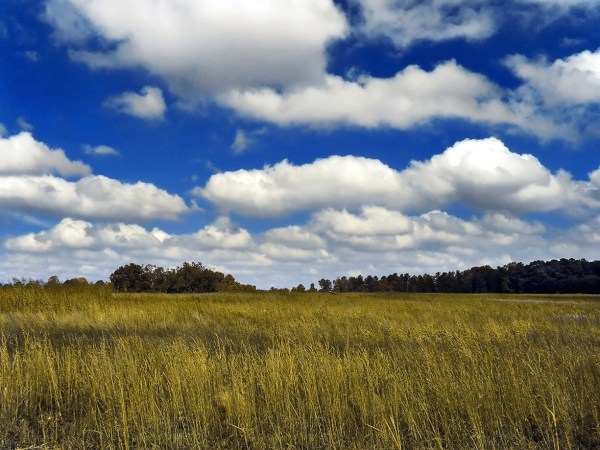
(89,369)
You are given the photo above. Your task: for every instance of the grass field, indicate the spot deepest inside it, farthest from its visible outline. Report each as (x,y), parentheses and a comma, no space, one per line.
(86,369)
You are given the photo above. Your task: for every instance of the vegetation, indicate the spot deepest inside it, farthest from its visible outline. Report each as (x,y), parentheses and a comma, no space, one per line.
(190,277)
(82,368)
(566,276)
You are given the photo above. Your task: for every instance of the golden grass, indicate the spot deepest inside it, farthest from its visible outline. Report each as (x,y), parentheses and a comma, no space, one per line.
(85,369)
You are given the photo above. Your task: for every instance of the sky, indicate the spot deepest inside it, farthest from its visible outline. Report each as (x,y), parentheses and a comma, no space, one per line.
(285,141)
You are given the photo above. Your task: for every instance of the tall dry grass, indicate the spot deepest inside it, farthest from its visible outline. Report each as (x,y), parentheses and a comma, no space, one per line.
(86,369)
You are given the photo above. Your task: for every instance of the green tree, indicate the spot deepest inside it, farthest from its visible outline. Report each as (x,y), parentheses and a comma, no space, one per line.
(325,284)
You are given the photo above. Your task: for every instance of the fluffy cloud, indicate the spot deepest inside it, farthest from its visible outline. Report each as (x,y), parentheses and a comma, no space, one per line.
(405,21)
(573,80)
(377,229)
(202,46)
(412,97)
(92,196)
(222,234)
(29,182)
(220,241)
(483,174)
(78,234)
(150,104)
(22,154)
(285,188)
(295,244)
(72,244)
(259,60)
(331,243)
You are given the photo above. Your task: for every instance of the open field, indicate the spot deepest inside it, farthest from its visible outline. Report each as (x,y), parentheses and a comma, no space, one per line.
(87,369)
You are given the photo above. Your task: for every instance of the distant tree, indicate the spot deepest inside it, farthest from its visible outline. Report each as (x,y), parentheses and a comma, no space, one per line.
(312,288)
(129,278)
(76,282)
(189,278)
(325,284)
(53,281)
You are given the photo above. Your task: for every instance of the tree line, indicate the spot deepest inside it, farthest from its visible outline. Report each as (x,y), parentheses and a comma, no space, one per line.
(567,276)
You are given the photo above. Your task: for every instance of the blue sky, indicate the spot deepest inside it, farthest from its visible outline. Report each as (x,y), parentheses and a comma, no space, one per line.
(284,141)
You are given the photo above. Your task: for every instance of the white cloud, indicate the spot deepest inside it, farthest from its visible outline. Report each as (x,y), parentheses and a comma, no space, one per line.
(412,97)
(202,46)
(487,175)
(573,80)
(3,130)
(91,196)
(23,124)
(69,25)
(405,22)
(150,104)
(373,221)
(72,244)
(258,59)
(222,234)
(100,150)
(331,243)
(72,233)
(21,154)
(294,236)
(371,230)
(483,174)
(285,188)
(29,183)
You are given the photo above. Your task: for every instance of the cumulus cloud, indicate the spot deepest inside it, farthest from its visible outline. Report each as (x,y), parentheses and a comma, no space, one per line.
(294,236)
(371,231)
(29,182)
(222,234)
(22,154)
(573,80)
(258,59)
(331,243)
(73,243)
(150,104)
(71,233)
(80,248)
(285,188)
(483,174)
(412,97)
(92,196)
(100,150)
(405,22)
(204,46)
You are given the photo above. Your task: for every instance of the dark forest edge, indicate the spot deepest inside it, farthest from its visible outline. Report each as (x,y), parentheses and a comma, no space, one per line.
(564,276)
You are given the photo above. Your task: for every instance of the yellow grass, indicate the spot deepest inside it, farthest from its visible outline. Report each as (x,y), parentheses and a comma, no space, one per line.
(87,369)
